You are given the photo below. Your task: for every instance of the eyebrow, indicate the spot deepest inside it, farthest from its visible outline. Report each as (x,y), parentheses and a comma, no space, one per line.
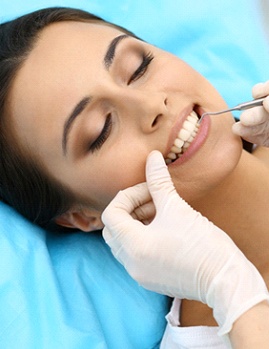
(78,109)
(110,53)
(70,120)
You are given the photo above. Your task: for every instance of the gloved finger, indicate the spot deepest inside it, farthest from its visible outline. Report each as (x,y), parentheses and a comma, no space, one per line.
(122,232)
(123,243)
(254,134)
(266,106)
(247,132)
(255,116)
(145,213)
(121,229)
(260,90)
(118,212)
(112,240)
(241,130)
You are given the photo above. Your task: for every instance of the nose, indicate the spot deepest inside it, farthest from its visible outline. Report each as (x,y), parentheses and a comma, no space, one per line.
(145,109)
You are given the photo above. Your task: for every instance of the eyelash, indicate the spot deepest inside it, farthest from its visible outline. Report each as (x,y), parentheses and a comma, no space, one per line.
(140,71)
(100,140)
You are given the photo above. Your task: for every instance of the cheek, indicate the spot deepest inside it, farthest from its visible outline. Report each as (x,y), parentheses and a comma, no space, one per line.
(115,174)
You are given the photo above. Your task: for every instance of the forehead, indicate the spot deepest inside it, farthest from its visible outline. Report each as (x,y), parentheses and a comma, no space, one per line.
(60,38)
(65,48)
(62,49)
(63,60)
(64,41)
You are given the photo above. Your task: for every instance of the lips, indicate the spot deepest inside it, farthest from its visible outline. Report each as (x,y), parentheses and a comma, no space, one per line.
(184,138)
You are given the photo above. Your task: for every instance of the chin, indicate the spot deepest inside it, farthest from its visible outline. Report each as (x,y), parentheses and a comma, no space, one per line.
(207,171)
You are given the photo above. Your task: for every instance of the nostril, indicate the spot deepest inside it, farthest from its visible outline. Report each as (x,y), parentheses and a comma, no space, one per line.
(156,120)
(165,101)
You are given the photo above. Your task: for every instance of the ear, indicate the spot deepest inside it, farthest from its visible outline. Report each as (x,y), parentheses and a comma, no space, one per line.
(85,219)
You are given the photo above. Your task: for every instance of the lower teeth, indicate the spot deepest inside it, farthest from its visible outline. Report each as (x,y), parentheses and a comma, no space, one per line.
(183,149)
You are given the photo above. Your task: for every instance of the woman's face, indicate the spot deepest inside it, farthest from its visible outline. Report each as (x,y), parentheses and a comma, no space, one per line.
(92,103)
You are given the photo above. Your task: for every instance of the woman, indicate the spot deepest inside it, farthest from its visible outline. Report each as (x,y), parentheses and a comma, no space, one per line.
(66,133)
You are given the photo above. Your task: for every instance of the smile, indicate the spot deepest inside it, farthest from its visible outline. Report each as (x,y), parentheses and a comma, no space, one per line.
(184,138)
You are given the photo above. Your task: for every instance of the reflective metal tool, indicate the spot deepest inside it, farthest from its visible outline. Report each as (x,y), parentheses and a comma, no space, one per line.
(242,106)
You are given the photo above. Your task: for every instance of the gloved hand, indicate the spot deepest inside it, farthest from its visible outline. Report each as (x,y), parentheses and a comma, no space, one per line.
(180,253)
(254,123)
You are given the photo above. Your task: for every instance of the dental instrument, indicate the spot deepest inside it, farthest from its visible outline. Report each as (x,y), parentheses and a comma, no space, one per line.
(242,106)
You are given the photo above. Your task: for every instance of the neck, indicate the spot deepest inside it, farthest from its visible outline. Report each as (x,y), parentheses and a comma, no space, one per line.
(239,207)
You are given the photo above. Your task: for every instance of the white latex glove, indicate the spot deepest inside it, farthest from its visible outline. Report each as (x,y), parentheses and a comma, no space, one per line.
(180,253)
(254,123)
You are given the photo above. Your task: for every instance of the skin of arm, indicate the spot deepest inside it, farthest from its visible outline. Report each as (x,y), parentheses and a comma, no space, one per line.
(251,329)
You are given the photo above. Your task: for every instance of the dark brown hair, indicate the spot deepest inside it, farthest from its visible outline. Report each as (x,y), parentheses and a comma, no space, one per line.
(23,183)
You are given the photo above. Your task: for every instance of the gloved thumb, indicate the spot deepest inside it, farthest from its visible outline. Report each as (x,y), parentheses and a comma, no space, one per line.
(158,178)
(162,190)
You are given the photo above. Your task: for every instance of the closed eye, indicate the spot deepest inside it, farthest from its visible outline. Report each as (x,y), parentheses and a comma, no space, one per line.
(140,71)
(100,140)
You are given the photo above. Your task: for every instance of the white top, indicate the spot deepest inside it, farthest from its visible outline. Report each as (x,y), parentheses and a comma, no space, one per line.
(194,337)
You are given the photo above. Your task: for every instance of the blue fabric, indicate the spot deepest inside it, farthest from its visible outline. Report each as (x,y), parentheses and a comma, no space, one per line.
(67,291)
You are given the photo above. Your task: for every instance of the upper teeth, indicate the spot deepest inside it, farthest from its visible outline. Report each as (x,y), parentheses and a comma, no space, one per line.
(184,138)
